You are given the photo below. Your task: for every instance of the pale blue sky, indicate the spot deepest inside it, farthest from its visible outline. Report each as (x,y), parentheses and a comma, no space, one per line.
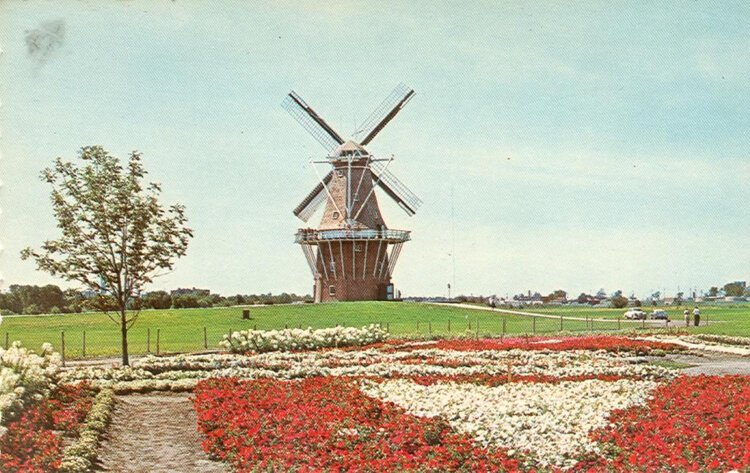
(589,145)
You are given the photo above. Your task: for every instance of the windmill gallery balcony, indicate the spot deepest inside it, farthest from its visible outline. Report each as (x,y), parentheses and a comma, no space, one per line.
(312,236)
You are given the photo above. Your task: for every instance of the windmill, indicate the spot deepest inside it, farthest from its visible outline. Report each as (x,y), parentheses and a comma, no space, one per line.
(352,253)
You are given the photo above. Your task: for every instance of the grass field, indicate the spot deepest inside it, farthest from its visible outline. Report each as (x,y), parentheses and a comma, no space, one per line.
(183,330)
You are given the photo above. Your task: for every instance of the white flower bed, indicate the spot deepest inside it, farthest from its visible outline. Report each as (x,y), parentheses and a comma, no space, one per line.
(549,421)
(260,341)
(25,375)
(153,373)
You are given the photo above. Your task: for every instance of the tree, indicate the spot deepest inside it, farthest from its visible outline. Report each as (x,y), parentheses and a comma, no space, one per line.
(157,300)
(116,235)
(734,289)
(618,302)
(713,292)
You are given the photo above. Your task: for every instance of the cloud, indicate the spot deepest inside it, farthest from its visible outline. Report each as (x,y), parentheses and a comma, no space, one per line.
(42,43)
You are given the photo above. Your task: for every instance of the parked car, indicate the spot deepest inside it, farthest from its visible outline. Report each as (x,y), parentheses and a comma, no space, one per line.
(659,315)
(635,314)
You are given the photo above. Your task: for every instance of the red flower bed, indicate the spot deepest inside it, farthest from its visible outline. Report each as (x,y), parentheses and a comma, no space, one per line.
(492,380)
(692,424)
(31,445)
(603,342)
(327,424)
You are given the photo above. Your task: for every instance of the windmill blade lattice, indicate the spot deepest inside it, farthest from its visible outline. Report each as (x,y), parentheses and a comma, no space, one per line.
(311,121)
(396,189)
(385,112)
(314,200)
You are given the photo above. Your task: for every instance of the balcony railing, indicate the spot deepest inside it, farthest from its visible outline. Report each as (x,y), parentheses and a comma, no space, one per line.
(313,236)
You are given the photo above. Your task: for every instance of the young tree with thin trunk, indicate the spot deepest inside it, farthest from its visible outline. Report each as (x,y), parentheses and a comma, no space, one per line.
(116,235)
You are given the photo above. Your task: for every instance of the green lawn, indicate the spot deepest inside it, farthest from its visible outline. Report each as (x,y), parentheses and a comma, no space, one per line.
(725,320)
(182,330)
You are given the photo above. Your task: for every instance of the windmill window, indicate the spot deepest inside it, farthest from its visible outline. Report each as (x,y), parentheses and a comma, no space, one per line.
(358,247)
(335,215)
(339,173)
(333,267)
(331,290)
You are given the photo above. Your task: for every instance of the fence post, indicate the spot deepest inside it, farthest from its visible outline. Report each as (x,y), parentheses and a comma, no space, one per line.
(504,321)
(430,326)
(255,326)
(618,322)
(62,347)
(84,344)
(7,339)
(561,323)
(388,327)
(449,325)
(205,338)
(477,328)
(158,340)
(644,323)
(592,323)
(533,325)
(148,340)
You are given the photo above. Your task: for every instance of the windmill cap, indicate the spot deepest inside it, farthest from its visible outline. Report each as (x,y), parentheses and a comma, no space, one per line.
(349,148)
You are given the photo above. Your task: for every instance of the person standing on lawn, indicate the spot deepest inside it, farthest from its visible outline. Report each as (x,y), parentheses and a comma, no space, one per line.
(697,316)
(686,313)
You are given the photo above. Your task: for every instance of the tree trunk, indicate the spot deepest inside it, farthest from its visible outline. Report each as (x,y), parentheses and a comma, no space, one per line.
(124,331)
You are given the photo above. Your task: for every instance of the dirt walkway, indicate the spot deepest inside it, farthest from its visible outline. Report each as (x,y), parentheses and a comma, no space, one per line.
(713,364)
(155,433)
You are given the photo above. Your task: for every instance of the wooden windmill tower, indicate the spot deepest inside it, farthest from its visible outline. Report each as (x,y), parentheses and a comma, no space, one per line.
(352,253)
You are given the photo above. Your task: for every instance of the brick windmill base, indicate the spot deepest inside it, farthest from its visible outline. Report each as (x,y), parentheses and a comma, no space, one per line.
(352,265)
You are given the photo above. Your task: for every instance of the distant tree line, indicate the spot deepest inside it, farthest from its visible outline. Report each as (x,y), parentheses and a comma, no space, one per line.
(50,299)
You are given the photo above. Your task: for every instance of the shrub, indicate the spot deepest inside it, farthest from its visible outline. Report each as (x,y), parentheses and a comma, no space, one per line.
(301,339)
(32,309)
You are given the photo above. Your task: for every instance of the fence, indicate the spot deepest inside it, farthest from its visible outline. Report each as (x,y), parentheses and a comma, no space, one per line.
(105,341)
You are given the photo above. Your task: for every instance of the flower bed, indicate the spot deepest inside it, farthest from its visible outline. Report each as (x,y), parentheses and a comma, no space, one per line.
(24,375)
(388,361)
(33,442)
(601,342)
(525,405)
(327,424)
(78,457)
(260,341)
(693,424)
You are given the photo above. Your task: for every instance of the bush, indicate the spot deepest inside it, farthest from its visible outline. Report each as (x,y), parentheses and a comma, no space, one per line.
(619,302)
(7,312)
(55,310)
(32,309)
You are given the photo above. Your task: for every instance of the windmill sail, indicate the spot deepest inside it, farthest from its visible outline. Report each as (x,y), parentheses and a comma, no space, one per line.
(314,199)
(385,112)
(312,122)
(396,189)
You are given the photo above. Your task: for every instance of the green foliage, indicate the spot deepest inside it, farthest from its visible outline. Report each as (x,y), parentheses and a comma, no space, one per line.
(734,289)
(619,302)
(32,309)
(157,300)
(116,235)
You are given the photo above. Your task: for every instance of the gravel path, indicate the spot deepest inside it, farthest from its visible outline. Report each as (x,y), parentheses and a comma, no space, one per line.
(155,433)
(713,364)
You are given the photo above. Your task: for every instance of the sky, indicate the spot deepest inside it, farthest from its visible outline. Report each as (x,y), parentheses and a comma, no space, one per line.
(575,145)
